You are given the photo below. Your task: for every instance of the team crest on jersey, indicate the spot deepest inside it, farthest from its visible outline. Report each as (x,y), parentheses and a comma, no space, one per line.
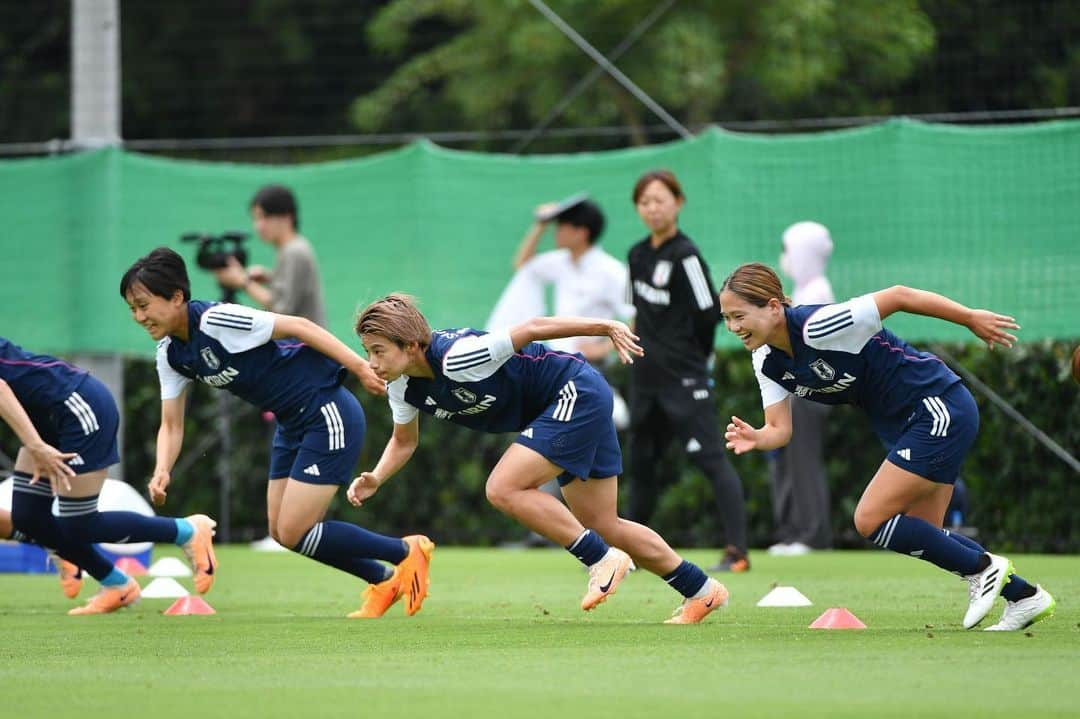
(464,395)
(661,273)
(823,369)
(209,358)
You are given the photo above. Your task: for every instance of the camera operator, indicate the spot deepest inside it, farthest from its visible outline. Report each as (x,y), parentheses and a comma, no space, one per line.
(293,287)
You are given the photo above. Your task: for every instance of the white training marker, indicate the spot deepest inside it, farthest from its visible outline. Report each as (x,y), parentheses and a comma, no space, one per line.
(784,597)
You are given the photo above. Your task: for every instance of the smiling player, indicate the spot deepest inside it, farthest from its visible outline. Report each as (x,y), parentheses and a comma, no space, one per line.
(921,411)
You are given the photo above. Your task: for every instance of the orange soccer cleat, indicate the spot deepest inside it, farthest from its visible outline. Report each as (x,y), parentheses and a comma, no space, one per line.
(414,572)
(200,552)
(71,577)
(692,611)
(604,577)
(379,597)
(109,599)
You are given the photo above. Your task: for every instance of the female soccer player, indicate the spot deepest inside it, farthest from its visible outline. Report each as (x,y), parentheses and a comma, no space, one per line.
(67,421)
(320,424)
(921,411)
(560,406)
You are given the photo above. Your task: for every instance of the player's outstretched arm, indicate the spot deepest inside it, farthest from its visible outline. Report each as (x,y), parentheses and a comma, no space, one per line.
(170,439)
(397,453)
(322,341)
(990,327)
(539,329)
(741,437)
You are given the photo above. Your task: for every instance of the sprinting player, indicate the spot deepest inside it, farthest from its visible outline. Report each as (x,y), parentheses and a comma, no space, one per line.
(320,424)
(560,406)
(921,411)
(67,421)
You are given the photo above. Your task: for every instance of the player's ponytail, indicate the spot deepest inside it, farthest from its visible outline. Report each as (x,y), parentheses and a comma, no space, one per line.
(757,284)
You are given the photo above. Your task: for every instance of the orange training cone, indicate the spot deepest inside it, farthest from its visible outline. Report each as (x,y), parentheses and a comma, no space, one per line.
(837,618)
(189,605)
(131,567)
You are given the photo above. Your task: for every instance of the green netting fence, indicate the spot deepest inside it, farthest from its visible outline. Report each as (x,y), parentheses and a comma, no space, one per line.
(990,216)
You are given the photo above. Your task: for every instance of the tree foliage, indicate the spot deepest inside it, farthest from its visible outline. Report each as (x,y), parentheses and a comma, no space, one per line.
(242,68)
(508,65)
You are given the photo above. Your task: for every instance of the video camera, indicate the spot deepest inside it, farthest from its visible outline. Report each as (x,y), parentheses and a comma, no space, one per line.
(215,250)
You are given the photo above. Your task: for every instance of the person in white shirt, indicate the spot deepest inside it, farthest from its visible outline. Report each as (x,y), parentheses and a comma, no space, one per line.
(588,282)
(800,489)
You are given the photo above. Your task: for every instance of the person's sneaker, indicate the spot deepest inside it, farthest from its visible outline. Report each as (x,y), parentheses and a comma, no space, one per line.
(692,611)
(984,587)
(109,599)
(732,561)
(604,577)
(1025,612)
(798,549)
(780,549)
(414,572)
(379,597)
(71,577)
(200,552)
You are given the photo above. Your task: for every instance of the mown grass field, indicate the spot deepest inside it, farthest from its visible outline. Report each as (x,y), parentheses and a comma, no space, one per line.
(501,635)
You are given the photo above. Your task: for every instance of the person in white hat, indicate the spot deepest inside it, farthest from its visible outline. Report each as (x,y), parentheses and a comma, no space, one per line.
(800,489)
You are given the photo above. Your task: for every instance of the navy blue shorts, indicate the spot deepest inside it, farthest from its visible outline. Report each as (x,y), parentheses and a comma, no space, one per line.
(325,445)
(938,435)
(576,431)
(86,423)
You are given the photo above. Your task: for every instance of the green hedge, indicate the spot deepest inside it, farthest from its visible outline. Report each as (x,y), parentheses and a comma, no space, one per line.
(1023,497)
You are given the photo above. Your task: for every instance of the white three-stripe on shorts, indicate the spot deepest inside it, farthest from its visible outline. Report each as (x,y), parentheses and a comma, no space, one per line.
(82,411)
(564,408)
(941,416)
(334,426)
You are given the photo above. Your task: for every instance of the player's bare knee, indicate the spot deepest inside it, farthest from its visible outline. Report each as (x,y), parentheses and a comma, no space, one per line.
(289,535)
(867,520)
(499,495)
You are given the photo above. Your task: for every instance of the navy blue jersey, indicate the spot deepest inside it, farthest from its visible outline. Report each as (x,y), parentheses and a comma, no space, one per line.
(230,347)
(842,355)
(38,381)
(482,383)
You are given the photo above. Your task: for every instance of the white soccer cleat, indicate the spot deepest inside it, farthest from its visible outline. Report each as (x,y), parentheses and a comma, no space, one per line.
(984,587)
(1025,612)
(604,577)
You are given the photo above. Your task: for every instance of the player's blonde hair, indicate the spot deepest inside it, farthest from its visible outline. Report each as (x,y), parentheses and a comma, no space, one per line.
(396,318)
(757,284)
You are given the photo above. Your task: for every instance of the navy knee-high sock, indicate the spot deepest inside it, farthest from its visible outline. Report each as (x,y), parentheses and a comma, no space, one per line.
(687,579)
(82,522)
(31,513)
(919,538)
(589,547)
(1016,588)
(353,549)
